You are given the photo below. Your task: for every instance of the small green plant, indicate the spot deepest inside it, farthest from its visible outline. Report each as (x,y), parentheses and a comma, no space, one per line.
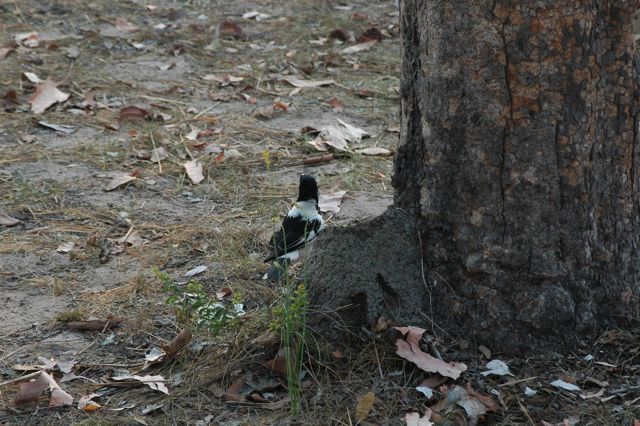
(194,304)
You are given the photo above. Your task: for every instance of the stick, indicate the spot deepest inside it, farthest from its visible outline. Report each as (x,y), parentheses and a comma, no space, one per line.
(21,378)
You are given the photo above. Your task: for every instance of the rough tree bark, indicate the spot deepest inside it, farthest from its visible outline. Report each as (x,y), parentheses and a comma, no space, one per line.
(516,183)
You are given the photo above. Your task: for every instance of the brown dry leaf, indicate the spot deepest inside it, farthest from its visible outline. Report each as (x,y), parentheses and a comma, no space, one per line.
(229,29)
(31,391)
(10,100)
(414,419)
(296,82)
(338,34)
(330,201)
(46,94)
(268,338)
(359,47)
(279,363)
(265,112)
(86,404)
(58,396)
(7,220)
(281,106)
(364,406)
(433,382)
(486,400)
(224,293)
(95,325)
(178,342)
(125,26)
(194,171)
(336,104)
(118,180)
(375,152)
(4,51)
(382,324)
(409,349)
(371,34)
(233,392)
(132,113)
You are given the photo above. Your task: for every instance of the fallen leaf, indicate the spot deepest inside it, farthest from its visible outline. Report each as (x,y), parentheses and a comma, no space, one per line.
(65,247)
(154,354)
(154,382)
(224,80)
(359,47)
(268,338)
(94,325)
(564,385)
(4,52)
(179,341)
(593,395)
(86,404)
(296,82)
(46,95)
(426,391)
(30,39)
(62,128)
(125,26)
(486,400)
(409,349)
(497,367)
(338,34)
(7,220)
(414,419)
(471,405)
(529,392)
(330,201)
(195,271)
(32,77)
(371,34)
(132,113)
(338,136)
(254,14)
(375,152)
(194,171)
(30,391)
(364,406)
(59,397)
(279,363)
(230,29)
(484,351)
(118,180)
(10,100)
(336,104)
(66,366)
(158,154)
(233,392)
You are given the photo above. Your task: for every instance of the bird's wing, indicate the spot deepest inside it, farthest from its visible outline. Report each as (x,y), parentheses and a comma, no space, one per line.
(294,233)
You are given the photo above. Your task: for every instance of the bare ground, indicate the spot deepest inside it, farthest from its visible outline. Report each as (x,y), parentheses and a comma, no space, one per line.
(54,183)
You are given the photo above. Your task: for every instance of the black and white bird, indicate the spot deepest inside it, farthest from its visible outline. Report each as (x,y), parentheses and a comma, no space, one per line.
(302,225)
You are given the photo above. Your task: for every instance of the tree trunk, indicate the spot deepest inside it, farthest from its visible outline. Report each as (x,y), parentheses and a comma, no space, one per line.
(518,168)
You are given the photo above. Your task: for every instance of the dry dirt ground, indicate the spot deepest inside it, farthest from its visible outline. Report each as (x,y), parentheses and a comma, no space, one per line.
(206,92)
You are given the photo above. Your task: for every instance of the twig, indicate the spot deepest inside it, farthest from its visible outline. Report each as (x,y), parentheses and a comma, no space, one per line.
(21,378)
(526,413)
(513,382)
(12,353)
(153,142)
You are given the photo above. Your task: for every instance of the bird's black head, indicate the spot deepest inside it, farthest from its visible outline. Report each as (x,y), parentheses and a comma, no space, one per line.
(308,189)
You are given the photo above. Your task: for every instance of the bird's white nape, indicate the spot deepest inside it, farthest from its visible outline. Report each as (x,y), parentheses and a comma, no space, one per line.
(307,210)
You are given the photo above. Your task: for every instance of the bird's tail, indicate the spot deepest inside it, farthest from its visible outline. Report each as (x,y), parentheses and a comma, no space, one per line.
(277,270)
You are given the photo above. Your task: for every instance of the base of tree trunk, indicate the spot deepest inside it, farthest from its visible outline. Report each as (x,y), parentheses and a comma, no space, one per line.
(375,269)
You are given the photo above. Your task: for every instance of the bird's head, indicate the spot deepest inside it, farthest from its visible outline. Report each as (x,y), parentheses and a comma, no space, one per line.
(308,189)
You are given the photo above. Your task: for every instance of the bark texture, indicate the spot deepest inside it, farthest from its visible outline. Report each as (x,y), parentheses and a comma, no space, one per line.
(519,167)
